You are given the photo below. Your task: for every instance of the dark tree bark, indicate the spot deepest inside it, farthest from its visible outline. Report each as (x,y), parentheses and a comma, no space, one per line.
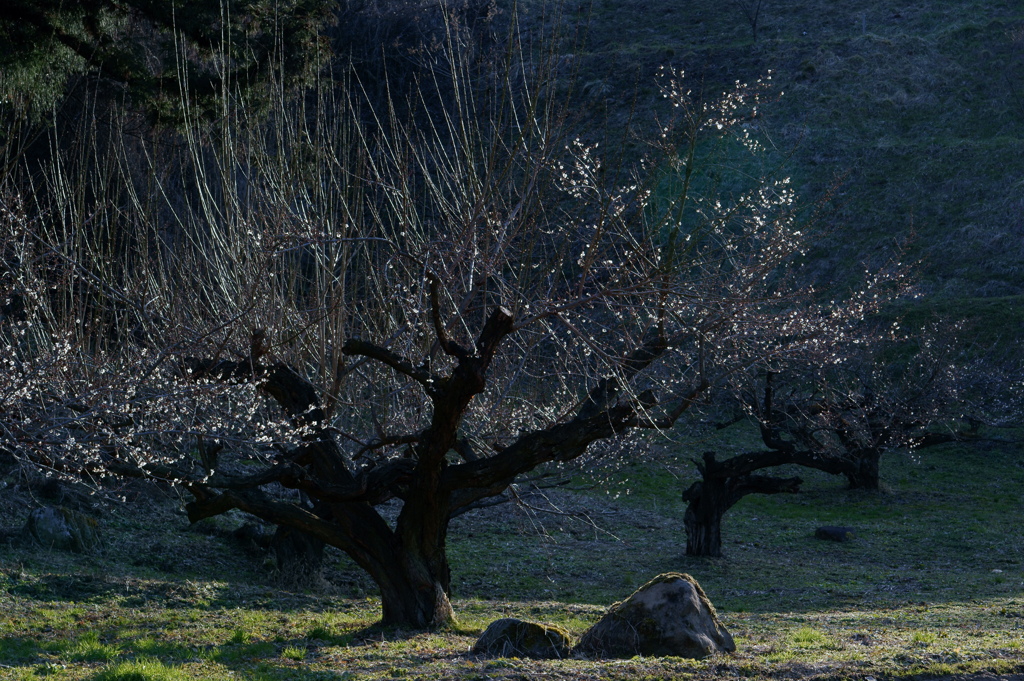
(722,485)
(863,467)
(300,556)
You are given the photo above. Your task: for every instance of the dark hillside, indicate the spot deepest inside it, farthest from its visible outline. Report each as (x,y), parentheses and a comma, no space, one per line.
(917,106)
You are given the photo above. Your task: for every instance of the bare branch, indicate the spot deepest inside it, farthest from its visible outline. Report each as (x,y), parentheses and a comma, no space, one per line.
(449,346)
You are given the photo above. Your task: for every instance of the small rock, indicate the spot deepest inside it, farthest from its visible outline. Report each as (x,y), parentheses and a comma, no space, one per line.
(511,637)
(670,615)
(63,529)
(834,533)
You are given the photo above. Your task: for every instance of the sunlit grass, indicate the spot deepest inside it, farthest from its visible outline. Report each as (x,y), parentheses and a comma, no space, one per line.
(141,670)
(89,648)
(293,653)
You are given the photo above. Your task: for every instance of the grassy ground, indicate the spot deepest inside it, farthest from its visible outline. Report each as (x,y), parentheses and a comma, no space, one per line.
(933,584)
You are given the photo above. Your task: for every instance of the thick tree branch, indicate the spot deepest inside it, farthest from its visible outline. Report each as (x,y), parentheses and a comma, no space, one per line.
(464,448)
(468,378)
(603,395)
(300,401)
(373,484)
(762,484)
(740,486)
(598,418)
(560,442)
(498,325)
(385,441)
(355,346)
(262,506)
(742,464)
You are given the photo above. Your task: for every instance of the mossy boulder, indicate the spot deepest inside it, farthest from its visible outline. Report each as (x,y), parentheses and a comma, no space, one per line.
(670,615)
(511,637)
(63,529)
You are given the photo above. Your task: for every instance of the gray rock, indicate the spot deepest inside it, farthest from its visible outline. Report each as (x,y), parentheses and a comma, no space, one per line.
(670,615)
(511,637)
(63,529)
(833,533)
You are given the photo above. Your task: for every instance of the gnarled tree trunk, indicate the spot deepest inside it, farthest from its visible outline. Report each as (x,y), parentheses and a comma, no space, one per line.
(412,574)
(723,484)
(703,525)
(862,472)
(415,584)
(409,563)
(415,591)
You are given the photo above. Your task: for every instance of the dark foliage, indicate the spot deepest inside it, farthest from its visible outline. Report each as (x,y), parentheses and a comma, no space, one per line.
(160,54)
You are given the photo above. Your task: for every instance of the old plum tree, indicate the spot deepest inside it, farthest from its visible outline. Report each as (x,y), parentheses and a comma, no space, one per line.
(431,309)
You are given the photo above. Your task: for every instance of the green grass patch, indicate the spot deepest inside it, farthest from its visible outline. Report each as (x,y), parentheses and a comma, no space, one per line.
(293,653)
(923,637)
(806,636)
(141,670)
(17,649)
(89,648)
